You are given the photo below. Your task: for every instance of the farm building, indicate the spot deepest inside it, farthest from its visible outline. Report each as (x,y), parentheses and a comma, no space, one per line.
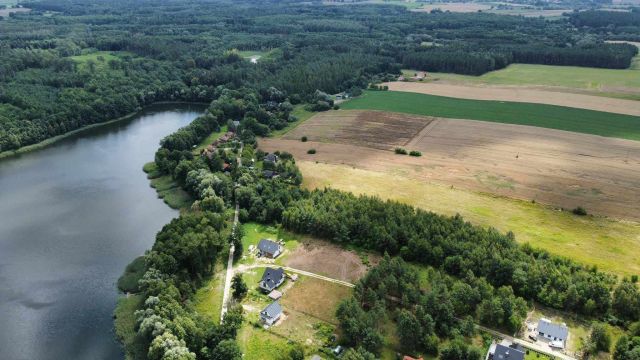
(504,351)
(271,313)
(271,158)
(269,249)
(557,334)
(271,279)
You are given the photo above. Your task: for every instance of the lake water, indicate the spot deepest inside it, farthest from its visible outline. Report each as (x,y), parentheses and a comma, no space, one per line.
(72,216)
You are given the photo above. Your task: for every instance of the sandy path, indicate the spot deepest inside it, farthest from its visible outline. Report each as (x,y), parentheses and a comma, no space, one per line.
(520,94)
(554,167)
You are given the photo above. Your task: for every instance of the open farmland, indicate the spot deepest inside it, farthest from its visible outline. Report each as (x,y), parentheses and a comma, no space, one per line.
(461,7)
(594,81)
(520,94)
(541,115)
(474,167)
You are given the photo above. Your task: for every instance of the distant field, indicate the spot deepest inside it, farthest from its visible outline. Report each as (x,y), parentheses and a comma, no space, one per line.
(462,7)
(546,116)
(100,59)
(606,82)
(519,94)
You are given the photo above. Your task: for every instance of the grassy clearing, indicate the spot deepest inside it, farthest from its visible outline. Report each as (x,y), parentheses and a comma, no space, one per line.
(546,116)
(316,298)
(301,114)
(584,78)
(210,139)
(590,240)
(167,189)
(125,322)
(208,299)
(100,59)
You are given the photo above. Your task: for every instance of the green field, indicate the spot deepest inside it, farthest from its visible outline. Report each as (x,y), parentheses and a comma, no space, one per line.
(608,82)
(208,299)
(167,188)
(300,113)
(546,116)
(100,59)
(125,326)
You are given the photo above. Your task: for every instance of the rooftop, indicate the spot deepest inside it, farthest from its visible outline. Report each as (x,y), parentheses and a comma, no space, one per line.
(547,327)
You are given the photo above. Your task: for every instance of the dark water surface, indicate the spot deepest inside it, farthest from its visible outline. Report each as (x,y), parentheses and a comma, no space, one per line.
(72,216)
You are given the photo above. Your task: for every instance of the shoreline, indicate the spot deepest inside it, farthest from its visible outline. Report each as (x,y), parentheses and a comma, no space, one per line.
(50,141)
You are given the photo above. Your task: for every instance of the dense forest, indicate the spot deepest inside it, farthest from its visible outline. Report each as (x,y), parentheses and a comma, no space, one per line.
(68,64)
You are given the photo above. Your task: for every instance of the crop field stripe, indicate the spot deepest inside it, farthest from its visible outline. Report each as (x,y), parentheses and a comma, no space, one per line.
(540,115)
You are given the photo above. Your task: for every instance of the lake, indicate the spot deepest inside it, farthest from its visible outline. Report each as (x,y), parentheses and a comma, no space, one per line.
(72,216)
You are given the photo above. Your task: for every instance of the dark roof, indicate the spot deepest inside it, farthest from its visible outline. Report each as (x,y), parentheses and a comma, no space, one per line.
(268,246)
(269,174)
(271,158)
(507,353)
(272,310)
(555,330)
(271,278)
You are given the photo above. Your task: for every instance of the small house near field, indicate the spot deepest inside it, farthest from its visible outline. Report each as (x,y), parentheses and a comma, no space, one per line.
(271,158)
(271,279)
(269,249)
(271,313)
(503,351)
(556,334)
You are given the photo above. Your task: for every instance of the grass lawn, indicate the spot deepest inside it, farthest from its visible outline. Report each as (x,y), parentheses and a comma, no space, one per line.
(259,344)
(208,299)
(590,240)
(210,139)
(167,189)
(584,78)
(254,232)
(125,322)
(301,114)
(546,116)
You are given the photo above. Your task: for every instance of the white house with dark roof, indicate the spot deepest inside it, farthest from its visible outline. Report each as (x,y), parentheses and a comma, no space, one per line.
(505,351)
(271,158)
(271,313)
(555,333)
(271,279)
(268,248)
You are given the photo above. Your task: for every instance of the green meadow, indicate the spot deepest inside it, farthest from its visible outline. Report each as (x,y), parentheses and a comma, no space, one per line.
(546,116)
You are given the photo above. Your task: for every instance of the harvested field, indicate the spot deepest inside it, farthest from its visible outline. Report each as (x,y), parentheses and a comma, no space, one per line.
(375,129)
(521,94)
(553,167)
(324,258)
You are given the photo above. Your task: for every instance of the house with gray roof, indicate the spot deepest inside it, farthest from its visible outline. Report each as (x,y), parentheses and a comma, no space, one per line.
(504,352)
(271,158)
(271,279)
(556,333)
(269,249)
(271,313)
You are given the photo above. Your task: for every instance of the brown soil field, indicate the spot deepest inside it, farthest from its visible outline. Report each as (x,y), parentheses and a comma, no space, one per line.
(553,167)
(324,258)
(376,129)
(521,94)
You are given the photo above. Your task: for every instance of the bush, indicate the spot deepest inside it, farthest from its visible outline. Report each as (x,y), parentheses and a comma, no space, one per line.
(580,211)
(415,153)
(303,139)
(336,107)
(401,151)
(311,151)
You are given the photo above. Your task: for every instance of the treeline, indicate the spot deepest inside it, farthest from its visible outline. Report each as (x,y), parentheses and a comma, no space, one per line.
(425,314)
(460,249)
(167,325)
